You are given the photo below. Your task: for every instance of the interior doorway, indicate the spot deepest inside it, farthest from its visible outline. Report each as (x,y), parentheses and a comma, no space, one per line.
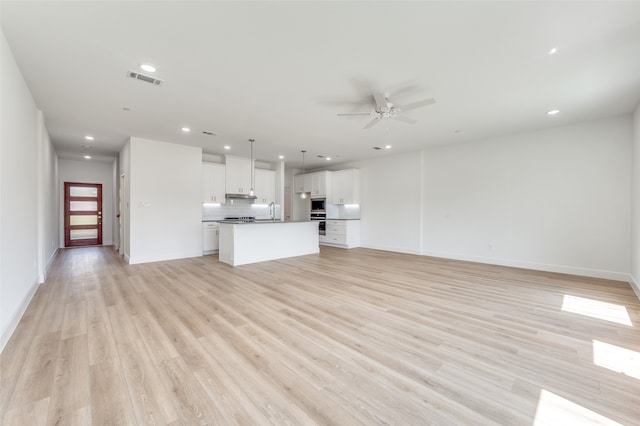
(82,214)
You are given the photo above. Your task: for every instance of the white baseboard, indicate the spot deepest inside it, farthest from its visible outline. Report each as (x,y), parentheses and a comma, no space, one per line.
(17,316)
(571,270)
(48,265)
(160,258)
(393,249)
(634,285)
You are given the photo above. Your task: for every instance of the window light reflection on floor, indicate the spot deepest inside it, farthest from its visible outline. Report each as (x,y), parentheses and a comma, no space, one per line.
(596,309)
(616,359)
(554,410)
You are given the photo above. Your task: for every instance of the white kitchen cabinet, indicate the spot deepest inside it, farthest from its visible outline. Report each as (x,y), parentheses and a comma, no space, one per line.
(213,183)
(320,185)
(210,237)
(345,187)
(302,183)
(265,186)
(237,174)
(317,184)
(342,233)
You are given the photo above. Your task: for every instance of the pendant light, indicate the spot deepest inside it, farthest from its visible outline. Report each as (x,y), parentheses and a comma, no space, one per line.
(252,175)
(303,194)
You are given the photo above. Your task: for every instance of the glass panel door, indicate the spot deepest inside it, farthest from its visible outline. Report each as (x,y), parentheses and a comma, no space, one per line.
(82,214)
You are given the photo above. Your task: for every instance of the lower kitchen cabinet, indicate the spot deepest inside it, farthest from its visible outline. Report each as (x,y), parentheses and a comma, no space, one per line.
(342,233)
(210,237)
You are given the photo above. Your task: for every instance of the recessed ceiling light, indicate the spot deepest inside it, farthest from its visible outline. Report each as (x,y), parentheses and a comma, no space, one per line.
(328,158)
(553,112)
(88,157)
(186,129)
(553,51)
(281,157)
(148,67)
(89,138)
(226,147)
(387,147)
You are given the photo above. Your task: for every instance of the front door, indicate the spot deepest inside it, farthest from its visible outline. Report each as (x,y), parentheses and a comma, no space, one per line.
(82,214)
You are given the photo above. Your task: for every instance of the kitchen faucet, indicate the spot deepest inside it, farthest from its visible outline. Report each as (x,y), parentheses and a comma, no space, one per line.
(272,205)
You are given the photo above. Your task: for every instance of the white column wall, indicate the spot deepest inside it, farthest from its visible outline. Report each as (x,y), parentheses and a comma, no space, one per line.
(165,201)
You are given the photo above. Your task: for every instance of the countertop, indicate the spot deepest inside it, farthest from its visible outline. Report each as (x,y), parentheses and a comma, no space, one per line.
(263,222)
(239,221)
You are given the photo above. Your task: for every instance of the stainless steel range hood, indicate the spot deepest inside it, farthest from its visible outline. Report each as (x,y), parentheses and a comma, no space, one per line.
(240,196)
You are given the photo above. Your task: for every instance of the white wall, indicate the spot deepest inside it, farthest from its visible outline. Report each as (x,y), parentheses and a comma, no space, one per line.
(390,200)
(165,201)
(89,171)
(635,204)
(19,189)
(48,200)
(556,200)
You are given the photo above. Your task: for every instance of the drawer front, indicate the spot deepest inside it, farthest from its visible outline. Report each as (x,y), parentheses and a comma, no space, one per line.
(336,230)
(210,225)
(337,239)
(336,223)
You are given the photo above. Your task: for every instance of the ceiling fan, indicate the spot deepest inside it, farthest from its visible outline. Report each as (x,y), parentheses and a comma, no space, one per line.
(386,109)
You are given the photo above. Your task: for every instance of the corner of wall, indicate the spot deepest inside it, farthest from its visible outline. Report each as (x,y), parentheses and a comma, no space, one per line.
(12,324)
(634,285)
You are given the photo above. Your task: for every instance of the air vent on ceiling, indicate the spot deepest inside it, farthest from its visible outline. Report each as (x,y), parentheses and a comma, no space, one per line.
(208,133)
(376,148)
(143,77)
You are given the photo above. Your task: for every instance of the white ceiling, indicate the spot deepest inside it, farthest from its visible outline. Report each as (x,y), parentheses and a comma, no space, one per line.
(279,72)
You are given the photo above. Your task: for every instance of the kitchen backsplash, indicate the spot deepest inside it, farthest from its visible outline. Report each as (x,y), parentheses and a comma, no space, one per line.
(343,211)
(237,209)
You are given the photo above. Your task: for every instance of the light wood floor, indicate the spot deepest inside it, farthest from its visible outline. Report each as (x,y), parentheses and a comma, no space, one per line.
(344,337)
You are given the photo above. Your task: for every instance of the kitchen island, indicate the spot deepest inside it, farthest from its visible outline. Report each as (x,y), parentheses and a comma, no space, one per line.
(242,243)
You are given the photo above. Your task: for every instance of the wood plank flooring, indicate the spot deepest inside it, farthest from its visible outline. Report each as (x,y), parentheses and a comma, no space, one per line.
(342,338)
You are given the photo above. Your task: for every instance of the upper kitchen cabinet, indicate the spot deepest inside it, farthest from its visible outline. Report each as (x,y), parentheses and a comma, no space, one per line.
(238,174)
(320,185)
(265,186)
(317,184)
(302,183)
(213,183)
(345,187)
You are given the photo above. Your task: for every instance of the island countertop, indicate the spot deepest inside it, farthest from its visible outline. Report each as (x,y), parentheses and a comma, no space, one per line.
(250,242)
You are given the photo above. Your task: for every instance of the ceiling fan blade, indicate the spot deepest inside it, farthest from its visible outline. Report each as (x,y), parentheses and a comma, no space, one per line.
(381,100)
(415,105)
(405,119)
(373,122)
(355,113)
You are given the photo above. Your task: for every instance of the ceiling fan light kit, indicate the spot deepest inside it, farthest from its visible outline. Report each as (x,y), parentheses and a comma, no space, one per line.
(384,109)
